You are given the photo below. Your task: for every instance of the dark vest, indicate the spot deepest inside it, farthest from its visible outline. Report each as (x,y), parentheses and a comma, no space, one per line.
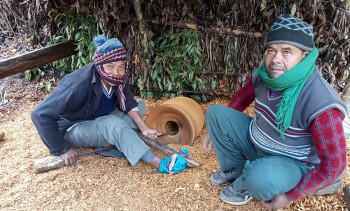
(316,97)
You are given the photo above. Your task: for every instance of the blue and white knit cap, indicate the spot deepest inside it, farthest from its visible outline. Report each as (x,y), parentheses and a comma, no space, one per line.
(291,30)
(108,50)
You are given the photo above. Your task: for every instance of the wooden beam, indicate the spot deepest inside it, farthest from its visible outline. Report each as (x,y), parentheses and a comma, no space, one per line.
(36,58)
(217,30)
(189,92)
(346,190)
(2,135)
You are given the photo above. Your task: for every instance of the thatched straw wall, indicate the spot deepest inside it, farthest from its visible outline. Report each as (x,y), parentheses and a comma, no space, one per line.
(232,33)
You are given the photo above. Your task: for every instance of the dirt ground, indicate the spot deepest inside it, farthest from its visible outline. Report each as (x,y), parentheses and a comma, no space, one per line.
(104,183)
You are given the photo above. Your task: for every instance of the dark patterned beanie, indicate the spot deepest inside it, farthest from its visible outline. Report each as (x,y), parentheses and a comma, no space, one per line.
(291,30)
(107,51)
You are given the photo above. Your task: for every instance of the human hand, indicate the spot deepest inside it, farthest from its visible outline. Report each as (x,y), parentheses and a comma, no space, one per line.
(151,133)
(279,201)
(70,157)
(207,143)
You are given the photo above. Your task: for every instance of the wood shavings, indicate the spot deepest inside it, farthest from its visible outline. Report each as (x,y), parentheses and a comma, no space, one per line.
(177,190)
(106,183)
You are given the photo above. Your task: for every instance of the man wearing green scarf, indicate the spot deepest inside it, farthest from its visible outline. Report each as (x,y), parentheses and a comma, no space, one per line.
(295,144)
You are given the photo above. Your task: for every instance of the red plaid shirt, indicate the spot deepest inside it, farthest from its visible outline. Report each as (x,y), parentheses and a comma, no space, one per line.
(328,136)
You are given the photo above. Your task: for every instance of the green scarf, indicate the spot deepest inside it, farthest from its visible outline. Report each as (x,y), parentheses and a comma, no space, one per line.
(292,83)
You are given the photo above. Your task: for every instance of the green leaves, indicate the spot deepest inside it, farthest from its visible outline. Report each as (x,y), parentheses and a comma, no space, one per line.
(48,84)
(82,28)
(213,84)
(178,62)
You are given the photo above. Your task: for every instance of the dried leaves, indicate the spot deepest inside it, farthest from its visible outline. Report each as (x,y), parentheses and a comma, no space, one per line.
(329,18)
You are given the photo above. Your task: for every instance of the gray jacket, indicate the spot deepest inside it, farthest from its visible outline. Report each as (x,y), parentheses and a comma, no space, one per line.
(76,98)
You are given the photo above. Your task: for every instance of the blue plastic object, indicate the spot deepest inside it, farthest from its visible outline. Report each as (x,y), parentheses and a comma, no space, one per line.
(179,166)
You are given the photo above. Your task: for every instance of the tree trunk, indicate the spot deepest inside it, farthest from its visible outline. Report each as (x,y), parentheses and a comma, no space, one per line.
(144,39)
(346,92)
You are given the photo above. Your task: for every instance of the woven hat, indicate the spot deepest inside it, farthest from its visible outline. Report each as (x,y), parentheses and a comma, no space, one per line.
(108,50)
(291,30)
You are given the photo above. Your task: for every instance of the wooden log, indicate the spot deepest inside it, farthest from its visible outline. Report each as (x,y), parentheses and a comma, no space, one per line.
(36,58)
(187,26)
(345,95)
(218,73)
(144,40)
(227,31)
(189,92)
(2,135)
(55,162)
(155,144)
(346,190)
(48,163)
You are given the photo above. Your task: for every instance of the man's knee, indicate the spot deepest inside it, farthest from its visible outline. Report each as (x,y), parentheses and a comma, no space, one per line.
(264,179)
(212,113)
(259,178)
(141,106)
(260,184)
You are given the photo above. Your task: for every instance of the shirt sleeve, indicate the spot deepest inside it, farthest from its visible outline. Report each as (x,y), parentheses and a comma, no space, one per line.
(243,97)
(329,139)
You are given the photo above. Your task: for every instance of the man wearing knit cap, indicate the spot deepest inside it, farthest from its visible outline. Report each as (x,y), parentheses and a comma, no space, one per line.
(295,144)
(95,107)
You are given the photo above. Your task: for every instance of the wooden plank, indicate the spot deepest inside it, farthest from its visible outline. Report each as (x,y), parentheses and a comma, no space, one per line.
(36,58)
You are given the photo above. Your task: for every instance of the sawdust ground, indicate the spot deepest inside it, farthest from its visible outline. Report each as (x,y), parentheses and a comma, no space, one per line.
(104,183)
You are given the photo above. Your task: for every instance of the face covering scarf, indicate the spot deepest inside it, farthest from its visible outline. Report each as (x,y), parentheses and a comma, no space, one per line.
(292,83)
(116,81)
